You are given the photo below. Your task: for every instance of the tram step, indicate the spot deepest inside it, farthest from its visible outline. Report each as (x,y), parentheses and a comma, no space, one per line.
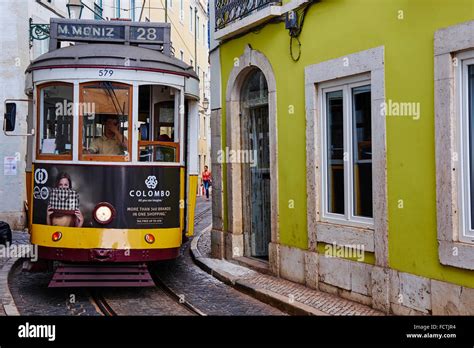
(70,275)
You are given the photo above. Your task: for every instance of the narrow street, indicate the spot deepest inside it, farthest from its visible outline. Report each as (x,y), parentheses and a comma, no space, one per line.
(182,281)
(233,171)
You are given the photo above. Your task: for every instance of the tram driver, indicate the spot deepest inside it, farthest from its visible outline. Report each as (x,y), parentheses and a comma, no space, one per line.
(112,142)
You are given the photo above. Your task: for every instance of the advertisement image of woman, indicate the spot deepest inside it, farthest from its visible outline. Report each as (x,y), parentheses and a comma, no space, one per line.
(63,181)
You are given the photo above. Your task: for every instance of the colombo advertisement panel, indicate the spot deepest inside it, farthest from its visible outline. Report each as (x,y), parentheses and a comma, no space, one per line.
(107,196)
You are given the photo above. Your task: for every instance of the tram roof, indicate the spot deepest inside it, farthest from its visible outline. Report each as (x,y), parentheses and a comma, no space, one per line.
(112,56)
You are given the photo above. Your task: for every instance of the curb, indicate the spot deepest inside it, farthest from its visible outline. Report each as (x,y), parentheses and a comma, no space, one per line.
(269,297)
(8,303)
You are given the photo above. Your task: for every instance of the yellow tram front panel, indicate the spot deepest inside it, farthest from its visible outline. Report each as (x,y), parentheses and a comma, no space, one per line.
(103,238)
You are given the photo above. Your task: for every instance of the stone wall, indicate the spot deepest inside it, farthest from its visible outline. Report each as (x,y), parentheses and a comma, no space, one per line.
(385,289)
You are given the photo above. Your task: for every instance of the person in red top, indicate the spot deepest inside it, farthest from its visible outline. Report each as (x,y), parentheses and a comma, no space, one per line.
(206,179)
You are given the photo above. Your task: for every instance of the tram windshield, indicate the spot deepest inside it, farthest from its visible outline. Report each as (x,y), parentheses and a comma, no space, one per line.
(55,120)
(105,119)
(105,109)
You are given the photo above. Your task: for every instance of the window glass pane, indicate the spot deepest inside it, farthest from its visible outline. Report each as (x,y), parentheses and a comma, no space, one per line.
(163,125)
(132,10)
(117,9)
(470,92)
(105,110)
(56,120)
(191,19)
(98,10)
(362,151)
(158,152)
(335,152)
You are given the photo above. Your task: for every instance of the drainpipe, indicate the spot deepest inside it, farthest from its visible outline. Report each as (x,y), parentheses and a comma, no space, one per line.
(166,11)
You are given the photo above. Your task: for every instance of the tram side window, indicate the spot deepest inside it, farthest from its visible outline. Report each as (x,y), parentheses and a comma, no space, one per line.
(55,120)
(157,128)
(164,121)
(105,121)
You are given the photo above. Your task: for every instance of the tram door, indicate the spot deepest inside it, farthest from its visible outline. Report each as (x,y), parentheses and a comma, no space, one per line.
(257,186)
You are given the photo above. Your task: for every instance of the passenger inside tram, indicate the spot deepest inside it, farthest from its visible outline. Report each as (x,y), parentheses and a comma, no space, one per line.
(112,141)
(106,110)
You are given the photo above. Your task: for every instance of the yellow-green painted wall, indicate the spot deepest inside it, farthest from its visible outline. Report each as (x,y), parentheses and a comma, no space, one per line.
(335,28)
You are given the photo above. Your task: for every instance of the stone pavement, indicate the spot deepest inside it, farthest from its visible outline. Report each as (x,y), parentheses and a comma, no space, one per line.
(8,257)
(204,292)
(288,296)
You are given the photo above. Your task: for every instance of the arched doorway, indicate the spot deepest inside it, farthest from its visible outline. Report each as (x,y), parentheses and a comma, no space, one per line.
(256,179)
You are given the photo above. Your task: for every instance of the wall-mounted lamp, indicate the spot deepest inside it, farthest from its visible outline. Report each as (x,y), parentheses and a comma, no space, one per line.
(74,9)
(205,104)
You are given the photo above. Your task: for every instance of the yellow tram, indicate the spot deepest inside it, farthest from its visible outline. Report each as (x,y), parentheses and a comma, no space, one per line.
(114,156)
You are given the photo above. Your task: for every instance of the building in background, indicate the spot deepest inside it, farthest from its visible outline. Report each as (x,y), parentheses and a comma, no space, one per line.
(353,117)
(21,41)
(24,37)
(190,42)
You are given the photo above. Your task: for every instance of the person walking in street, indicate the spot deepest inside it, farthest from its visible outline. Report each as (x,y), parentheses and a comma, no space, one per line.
(206,180)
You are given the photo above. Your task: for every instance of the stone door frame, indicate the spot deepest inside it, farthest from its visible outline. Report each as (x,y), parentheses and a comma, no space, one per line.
(244,65)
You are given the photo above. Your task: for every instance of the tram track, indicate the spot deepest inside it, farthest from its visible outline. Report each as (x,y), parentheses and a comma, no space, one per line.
(161,289)
(201,215)
(179,298)
(99,300)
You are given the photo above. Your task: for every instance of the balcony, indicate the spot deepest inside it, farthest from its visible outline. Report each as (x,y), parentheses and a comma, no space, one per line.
(228,12)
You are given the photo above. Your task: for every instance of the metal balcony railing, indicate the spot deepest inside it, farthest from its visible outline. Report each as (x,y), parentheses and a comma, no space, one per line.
(229,11)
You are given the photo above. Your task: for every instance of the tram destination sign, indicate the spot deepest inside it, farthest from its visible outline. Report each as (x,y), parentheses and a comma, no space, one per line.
(144,33)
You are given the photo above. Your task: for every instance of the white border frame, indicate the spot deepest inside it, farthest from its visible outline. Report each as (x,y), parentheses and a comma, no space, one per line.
(248,61)
(346,86)
(466,234)
(449,44)
(373,239)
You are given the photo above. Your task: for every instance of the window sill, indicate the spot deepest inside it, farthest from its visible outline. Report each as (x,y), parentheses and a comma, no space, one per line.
(329,232)
(53,157)
(456,254)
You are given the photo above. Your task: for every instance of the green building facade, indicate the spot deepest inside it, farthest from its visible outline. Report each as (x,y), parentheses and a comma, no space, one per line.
(341,147)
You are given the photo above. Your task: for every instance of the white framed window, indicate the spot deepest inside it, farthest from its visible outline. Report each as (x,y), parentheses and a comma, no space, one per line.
(465,81)
(191,62)
(347,101)
(346,129)
(204,36)
(117,8)
(181,10)
(170,3)
(197,28)
(191,19)
(132,10)
(181,55)
(453,100)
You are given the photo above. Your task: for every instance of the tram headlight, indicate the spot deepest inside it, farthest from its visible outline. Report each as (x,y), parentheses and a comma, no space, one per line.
(149,238)
(56,236)
(104,213)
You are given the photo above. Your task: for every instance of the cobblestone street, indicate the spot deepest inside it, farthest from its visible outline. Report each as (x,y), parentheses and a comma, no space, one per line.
(209,295)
